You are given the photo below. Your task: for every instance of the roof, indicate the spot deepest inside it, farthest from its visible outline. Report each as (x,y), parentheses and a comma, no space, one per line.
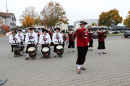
(5,14)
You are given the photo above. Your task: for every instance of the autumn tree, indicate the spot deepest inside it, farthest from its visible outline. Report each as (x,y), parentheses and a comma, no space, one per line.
(127,20)
(28,22)
(1,20)
(53,14)
(28,11)
(110,18)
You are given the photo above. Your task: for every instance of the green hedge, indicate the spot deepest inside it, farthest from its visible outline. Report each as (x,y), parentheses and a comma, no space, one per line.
(115,32)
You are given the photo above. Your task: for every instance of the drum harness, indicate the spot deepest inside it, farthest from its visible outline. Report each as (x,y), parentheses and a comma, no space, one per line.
(58,39)
(14,40)
(44,40)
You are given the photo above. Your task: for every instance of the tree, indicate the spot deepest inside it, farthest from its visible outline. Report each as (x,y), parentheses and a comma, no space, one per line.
(1,20)
(28,22)
(110,18)
(28,11)
(54,14)
(127,20)
(37,21)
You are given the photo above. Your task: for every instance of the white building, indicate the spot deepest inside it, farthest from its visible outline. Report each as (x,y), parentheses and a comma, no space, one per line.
(62,26)
(8,19)
(89,21)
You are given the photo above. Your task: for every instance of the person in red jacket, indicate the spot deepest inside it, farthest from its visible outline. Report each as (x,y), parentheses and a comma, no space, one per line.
(91,36)
(82,45)
(101,40)
(71,36)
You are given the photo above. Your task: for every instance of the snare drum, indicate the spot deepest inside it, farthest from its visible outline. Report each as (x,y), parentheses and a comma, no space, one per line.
(32,52)
(59,50)
(16,50)
(46,52)
(21,47)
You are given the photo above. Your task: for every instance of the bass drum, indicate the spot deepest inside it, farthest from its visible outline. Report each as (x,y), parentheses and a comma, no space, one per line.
(16,50)
(59,50)
(32,52)
(46,52)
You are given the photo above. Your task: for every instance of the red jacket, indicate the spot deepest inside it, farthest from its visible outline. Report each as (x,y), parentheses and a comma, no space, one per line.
(91,36)
(70,37)
(100,36)
(82,37)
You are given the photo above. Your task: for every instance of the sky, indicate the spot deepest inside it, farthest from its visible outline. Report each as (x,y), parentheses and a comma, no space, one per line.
(75,9)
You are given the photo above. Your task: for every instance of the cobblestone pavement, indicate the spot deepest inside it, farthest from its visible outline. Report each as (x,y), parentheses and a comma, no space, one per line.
(112,69)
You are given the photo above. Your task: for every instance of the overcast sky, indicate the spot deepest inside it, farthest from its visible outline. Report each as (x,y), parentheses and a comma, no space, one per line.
(75,9)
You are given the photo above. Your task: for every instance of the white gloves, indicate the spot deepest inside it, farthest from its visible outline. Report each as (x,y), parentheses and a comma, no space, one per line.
(88,44)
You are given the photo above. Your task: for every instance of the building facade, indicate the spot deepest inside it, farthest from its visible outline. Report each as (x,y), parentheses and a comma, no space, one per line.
(8,19)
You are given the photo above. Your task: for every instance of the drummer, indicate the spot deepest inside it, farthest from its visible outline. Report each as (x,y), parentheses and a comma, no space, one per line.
(31,40)
(14,40)
(21,36)
(51,34)
(45,39)
(57,39)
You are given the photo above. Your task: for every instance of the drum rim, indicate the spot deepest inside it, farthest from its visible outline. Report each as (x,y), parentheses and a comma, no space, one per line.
(45,51)
(60,45)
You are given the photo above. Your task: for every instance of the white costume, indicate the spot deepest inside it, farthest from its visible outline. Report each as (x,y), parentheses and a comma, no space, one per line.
(45,38)
(57,38)
(21,36)
(14,39)
(31,37)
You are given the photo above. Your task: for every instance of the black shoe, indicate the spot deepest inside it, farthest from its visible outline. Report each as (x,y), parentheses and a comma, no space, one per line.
(27,58)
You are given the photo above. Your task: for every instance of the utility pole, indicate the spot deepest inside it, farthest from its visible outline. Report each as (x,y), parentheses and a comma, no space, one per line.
(6,7)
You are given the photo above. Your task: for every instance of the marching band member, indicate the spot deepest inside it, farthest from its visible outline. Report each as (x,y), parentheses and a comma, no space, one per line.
(101,41)
(51,32)
(45,40)
(57,39)
(72,37)
(64,38)
(21,36)
(14,40)
(91,36)
(82,45)
(31,40)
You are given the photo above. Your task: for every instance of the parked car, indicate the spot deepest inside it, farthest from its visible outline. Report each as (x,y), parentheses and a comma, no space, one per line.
(126,34)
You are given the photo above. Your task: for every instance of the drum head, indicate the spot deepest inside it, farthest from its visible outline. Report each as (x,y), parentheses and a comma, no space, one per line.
(45,49)
(59,47)
(31,49)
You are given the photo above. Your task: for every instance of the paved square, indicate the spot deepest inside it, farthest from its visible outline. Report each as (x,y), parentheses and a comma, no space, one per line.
(112,69)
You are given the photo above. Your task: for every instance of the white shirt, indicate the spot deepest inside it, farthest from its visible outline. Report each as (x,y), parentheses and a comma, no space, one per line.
(14,39)
(31,37)
(21,36)
(57,36)
(45,39)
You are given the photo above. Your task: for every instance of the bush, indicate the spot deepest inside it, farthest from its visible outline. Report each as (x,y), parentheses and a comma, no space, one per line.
(115,32)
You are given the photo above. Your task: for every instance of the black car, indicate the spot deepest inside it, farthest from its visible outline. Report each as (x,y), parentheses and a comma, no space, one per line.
(126,34)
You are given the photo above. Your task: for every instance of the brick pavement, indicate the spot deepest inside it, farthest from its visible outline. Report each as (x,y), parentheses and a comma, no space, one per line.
(112,69)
